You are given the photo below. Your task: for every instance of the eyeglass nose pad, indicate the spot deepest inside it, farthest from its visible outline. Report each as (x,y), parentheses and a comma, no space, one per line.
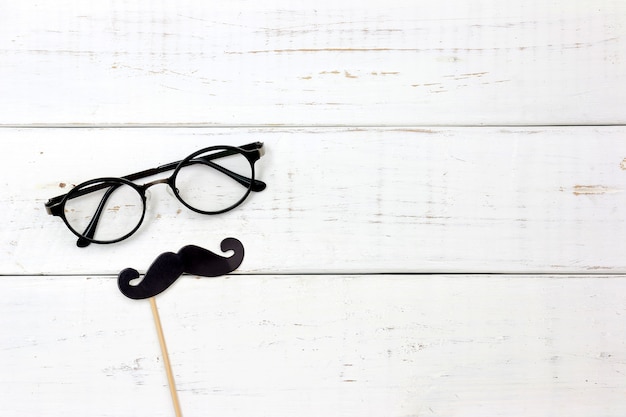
(148,195)
(170,191)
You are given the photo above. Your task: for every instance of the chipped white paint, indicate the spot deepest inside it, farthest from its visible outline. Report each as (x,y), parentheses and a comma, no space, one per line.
(329,62)
(317,323)
(595,190)
(342,199)
(324,345)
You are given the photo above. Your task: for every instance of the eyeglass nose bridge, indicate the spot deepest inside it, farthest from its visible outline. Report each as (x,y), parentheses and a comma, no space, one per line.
(155,182)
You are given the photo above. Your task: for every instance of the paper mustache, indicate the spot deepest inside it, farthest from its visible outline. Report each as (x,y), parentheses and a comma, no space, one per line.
(168,266)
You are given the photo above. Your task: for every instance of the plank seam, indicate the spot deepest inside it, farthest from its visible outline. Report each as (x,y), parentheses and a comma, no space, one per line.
(291,126)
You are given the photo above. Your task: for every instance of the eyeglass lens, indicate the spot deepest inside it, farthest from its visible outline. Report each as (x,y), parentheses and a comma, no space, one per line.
(214,181)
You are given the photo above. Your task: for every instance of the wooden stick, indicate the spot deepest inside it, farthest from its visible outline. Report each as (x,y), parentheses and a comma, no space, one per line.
(166,358)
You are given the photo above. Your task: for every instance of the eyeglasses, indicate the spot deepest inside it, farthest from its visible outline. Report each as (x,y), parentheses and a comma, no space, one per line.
(212,180)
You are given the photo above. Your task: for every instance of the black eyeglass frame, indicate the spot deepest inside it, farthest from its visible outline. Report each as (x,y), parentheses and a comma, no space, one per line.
(252,152)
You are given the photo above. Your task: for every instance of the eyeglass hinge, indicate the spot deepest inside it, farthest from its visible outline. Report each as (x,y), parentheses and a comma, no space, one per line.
(261,149)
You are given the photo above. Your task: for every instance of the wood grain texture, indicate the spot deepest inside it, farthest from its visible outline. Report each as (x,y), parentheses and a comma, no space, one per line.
(403,138)
(350,200)
(310,346)
(397,62)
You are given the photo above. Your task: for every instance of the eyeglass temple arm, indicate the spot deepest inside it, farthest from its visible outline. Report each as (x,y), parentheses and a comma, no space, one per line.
(245,181)
(90,230)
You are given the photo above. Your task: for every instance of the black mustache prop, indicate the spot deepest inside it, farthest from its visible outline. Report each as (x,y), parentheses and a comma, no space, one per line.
(168,266)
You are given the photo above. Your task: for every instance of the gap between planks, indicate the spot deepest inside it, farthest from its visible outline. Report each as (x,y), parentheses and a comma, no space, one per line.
(525,275)
(294,126)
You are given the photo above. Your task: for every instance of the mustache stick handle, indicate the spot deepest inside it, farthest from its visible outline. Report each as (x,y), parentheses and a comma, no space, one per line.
(166,358)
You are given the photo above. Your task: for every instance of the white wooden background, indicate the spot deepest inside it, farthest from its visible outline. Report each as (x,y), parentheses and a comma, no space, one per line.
(442,232)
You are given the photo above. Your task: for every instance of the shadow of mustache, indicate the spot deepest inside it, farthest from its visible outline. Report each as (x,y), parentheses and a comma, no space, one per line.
(168,266)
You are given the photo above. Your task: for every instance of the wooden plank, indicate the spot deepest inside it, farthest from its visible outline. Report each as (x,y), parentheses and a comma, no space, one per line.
(340,200)
(334,63)
(71,346)
(318,345)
